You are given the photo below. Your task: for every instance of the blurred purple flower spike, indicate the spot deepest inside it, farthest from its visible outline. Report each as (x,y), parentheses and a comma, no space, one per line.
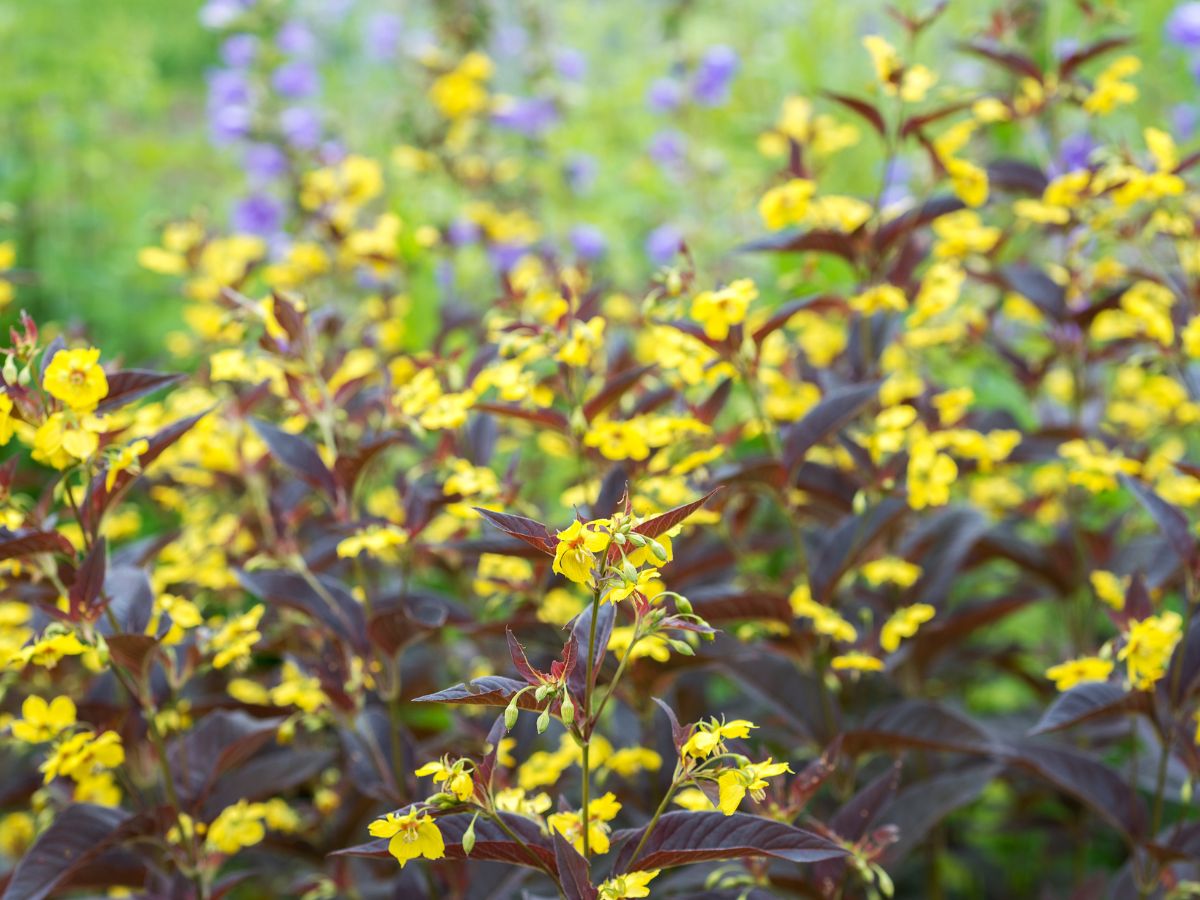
(530,116)
(295,39)
(663,244)
(1183,26)
(264,162)
(381,36)
(301,127)
(588,241)
(239,50)
(296,80)
(257,214)
(664,95)
(714,74)
(218,14)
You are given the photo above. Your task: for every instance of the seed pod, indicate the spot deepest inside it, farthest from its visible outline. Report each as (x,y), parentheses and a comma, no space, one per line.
(543,721)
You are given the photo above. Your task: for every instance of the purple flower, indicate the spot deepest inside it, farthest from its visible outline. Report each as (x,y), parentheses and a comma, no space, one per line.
(301,127)
(227,87)
(381,36)
(589,242)
(331,153)
(710,86)
(461,232)
(257,214)
(1183,27)
(1075,151)
(217,14)
(663,243)
(296,80)
(505,256)
(580,172)
(667,148)
(239,50)
(529,116)
(229,123)
(570,64)
(510,40)
(295,39)
(664,95)
(264,162)
(895,182)
(1185,117)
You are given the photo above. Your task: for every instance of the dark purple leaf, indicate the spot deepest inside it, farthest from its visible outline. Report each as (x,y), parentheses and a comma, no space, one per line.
(533,533)
(921,806)
(679,734)
(88,585)
(1081,55)
(832,413)
(580,632)
(918,723)
(1170,520)
(548,417)
(1039,288)
(908,222)
(795,241)
(613,390)
(30,541)
(682,838)
(325,599)
(859,813)
(1015,62)
(298,455)
(130,384)
(491,690)
(664,522)
(1017,176)
(221,741)
(78,835)
(861,107)
(133,652)
(520,661)
(1088,702)
(572,871)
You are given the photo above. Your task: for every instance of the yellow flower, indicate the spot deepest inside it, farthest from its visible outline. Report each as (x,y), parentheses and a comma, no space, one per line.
(233,642)
(413,835)
(380,541)
(719,310)
(7,423)
(81,755)
(41,721)
(64,438)
(48,650)
(1148,648)
(879,298)
(857,662)
(126,459)
(457,779)
(1110,588)
(890,570)
(573,555)
(628,761)
(76,378)
(516,800)
(709,737)
(1111,90)
(601,811)
(752,777)
(17,832)
(693,799)
(631,884)
(237,826)
(930,474)
(787,204)
(904,624)
(1075,671)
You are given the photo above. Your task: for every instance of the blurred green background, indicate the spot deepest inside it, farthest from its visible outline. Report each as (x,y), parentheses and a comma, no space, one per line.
(102,110)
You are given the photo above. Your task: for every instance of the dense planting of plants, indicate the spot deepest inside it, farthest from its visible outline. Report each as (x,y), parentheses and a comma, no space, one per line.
(843,546)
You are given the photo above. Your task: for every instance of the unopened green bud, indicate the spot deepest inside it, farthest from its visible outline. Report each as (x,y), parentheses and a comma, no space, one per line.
(543,692)
(510,717)
(25,377)
(468,838)
(543,721)
(684,605)
(10,371)
(638,540)
(568,709)
(619,539)
(629,572)
(682,647)
(659,551)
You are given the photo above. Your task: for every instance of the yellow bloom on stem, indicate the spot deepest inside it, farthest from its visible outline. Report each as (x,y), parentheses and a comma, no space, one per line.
(233,642)
(721,309)
(890,570)
(124,460)
(857,662)
(879,298)
(752,777)
(1148,648)
(628,761)
(1110,587)
(709,737)
(41,721)
(573,555)
(237,826)
(930,474)
(904,624)
(693,799)
(82,754)
(631,884)
(413,835)
(64,438)
(1076,671)
(601,811)
(76,378)
(457,779)
(380,541)
(787,204)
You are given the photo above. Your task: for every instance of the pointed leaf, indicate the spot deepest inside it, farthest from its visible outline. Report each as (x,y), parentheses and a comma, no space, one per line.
(572,871)
(1170,520)
(664,522)
(834,410)
(31,541)
(130,384)
(491,690)
(297,454)
(78,835)
(613,389)
(862,108)
(580,631)
(1088,702)
(531,532)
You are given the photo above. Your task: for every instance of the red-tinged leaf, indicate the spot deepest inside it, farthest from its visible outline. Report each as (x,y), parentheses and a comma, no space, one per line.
(1170,520)
(831,414)
(131,384)
(683,838)
(862,108)
(1015,62)
(491,690)
(920,724)
(837,243)
(290,319)
(708,411)
(131,598)
(1017,176)
(548,417)
(399,621)
(732,604)
(492,844)
(914,124)
(520,661)
(222,741)
(664,522)
(572,871)
(921,806)
(31,541)
(133,652)
(613,390)
(1088,702)
(809,779)
(1090,781)
(1039,288)
(298,455)
(99,497)
(918,217)
(268,774)
(952,630)
(861,811)
(761,671)
(533,533)
(84,593)
(841,547)
(1088,52)
(348,469)
(78,835)
(783,314)
(487,765)
(580,633)
(679,734)
(323,598)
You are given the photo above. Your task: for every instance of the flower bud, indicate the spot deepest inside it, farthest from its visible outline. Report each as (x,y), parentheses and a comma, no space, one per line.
(638,540)
(619,539)
(684,605)
(629,572)
(659,551)
(10,371)
(25,377)
(510,717)
(682,647)
(568,709)
(468,838)
(542,692)
(543,721)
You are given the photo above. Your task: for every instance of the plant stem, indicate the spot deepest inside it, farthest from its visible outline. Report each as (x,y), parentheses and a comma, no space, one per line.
(525,848)
(586,731)
(662,807)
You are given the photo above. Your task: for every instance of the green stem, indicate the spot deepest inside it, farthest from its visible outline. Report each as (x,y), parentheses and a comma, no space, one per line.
(662,807)
(585,762)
